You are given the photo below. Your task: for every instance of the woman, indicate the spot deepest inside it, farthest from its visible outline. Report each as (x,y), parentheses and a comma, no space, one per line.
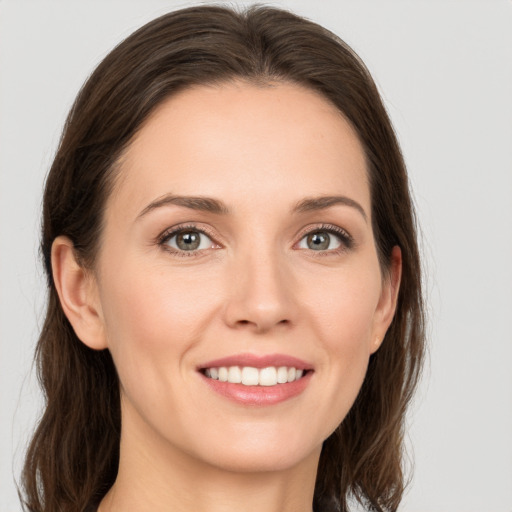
(235,317)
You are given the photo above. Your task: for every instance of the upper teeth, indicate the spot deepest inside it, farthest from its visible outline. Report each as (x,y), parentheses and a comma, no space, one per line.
(250,376)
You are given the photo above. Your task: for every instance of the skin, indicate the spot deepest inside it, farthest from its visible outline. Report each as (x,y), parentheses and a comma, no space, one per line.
(254,286)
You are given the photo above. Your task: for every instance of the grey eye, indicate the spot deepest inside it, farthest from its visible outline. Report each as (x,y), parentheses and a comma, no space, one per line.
(189,241)
(320,241)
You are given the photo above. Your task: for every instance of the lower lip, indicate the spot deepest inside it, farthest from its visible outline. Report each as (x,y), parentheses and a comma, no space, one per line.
(259,395)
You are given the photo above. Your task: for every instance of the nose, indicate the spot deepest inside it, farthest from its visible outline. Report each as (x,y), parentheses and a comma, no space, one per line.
(260,293)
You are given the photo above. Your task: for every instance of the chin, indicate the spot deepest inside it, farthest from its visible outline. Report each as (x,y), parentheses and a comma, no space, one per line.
(260,451)
(261,461)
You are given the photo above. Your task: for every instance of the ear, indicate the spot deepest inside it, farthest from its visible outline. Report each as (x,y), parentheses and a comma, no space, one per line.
(388,299)
(78,294)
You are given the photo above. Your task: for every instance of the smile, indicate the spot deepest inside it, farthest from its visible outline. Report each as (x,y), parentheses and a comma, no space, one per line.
(257,380)
(251,376)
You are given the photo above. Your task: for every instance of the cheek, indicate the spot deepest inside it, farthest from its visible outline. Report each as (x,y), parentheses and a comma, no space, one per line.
(149,307)
(153,317)
(344,308)
(343,317)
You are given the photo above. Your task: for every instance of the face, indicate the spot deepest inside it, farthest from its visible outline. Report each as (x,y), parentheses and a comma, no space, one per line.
(238,245)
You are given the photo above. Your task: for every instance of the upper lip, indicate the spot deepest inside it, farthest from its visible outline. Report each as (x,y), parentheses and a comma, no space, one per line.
(258,361)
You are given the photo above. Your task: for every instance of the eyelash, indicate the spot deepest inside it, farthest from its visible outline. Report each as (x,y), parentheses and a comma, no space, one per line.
(164,238)
(346,240)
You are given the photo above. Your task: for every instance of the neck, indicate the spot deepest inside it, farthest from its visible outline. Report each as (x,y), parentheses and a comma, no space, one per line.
(157,477)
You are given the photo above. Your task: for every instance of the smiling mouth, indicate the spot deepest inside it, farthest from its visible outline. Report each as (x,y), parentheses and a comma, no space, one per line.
(251,376)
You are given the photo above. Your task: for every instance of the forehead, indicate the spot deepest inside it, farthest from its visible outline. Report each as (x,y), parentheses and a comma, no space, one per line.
(238,138)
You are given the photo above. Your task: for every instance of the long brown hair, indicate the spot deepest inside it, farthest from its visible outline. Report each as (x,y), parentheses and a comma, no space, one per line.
(73,457)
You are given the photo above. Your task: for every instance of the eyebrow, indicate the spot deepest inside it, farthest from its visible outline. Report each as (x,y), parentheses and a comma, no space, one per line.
(205,204)
(208,204)
(323,202)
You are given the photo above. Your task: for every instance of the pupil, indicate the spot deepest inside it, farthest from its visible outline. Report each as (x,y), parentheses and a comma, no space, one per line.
(318,241)
(188,241)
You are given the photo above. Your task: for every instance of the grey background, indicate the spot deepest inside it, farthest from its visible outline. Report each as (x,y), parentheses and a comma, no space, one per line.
(444,69)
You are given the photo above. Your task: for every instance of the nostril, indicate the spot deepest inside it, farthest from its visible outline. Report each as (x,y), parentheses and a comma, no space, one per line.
(247,322)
